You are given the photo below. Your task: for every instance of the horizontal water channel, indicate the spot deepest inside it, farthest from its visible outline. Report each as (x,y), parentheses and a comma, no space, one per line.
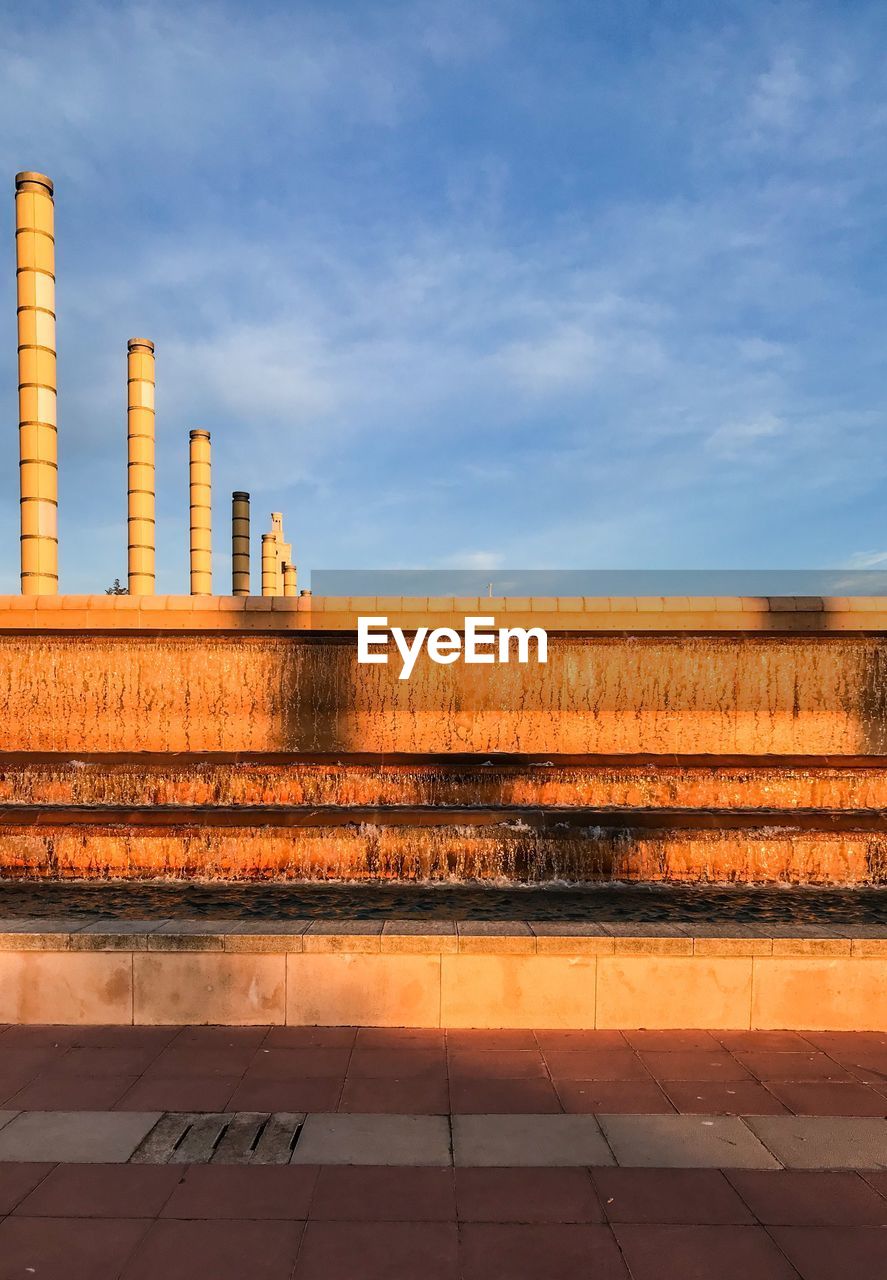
(652,904)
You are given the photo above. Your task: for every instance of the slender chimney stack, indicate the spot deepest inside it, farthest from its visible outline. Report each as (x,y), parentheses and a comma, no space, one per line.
(38,445)
(269,564)
(240,544)
(140,465)
(201,518)
(289,580)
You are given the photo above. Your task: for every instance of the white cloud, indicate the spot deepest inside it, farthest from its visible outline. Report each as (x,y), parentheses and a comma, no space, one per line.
(473,560)
(779,96)
(741,441)
(867,560)
(364,275)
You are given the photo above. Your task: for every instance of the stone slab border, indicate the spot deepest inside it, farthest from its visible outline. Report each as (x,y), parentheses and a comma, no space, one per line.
(466,1141)
(441,974)
(340,613)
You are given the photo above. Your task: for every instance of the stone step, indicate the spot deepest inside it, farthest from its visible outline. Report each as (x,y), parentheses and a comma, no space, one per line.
(438,844)
(559,782)
(420,816)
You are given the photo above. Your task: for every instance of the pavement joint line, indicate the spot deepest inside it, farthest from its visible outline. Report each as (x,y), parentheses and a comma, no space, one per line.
(516,1140)
(824,1142)
(606,1139)
(668,1141)
(6,1117)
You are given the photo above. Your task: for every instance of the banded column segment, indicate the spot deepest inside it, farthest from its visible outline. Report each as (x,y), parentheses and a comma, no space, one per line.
(140,466)
(37,386)
(289,580)
(201,518)
(269,564)
(240,544)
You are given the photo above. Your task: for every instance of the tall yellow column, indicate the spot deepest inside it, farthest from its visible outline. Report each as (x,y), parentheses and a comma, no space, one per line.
(240,544)
(38,443)
(269,564)
(284,550)
(289,580)
(140,465)
(201,518)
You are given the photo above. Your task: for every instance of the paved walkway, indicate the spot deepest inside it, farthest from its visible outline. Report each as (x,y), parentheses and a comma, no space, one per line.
(73,1205)
(324,1069)
(163,1222)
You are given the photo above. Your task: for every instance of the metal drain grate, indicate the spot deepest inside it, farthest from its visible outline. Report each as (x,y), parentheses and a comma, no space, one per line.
(231,1137)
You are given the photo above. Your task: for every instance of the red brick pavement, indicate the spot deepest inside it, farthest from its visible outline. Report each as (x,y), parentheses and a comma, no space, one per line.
(430,1071)
(99,1222)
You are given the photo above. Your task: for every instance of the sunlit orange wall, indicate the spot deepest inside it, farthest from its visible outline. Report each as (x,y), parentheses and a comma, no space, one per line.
(752,694)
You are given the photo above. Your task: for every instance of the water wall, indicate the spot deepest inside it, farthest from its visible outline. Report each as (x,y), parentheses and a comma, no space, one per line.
(717,740)
(663,695)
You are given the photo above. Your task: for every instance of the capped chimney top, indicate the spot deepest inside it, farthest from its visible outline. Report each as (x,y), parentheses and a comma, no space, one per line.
(135,343)
(28,180)
(199,435)
(238,493)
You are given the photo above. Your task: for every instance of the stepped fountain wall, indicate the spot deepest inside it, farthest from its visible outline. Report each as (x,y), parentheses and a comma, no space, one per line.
(726,739)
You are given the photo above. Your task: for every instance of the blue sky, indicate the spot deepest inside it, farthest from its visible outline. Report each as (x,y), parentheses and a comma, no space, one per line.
(465,284)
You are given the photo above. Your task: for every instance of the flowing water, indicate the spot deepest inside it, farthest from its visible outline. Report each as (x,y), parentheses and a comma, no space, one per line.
(754,758)
(483,781)
(699,904)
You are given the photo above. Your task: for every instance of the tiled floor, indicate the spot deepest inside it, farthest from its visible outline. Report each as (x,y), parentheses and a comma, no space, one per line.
(146,1223)
(414,1071)
(143,1222)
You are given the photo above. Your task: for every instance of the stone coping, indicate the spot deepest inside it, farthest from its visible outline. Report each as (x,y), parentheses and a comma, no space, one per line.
(340,613)
(442,937)
(354,973)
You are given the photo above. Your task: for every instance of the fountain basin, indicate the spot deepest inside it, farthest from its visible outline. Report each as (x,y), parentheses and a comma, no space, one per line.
(695,741)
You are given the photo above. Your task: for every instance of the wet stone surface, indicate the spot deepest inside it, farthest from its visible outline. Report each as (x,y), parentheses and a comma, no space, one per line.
(652,904)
